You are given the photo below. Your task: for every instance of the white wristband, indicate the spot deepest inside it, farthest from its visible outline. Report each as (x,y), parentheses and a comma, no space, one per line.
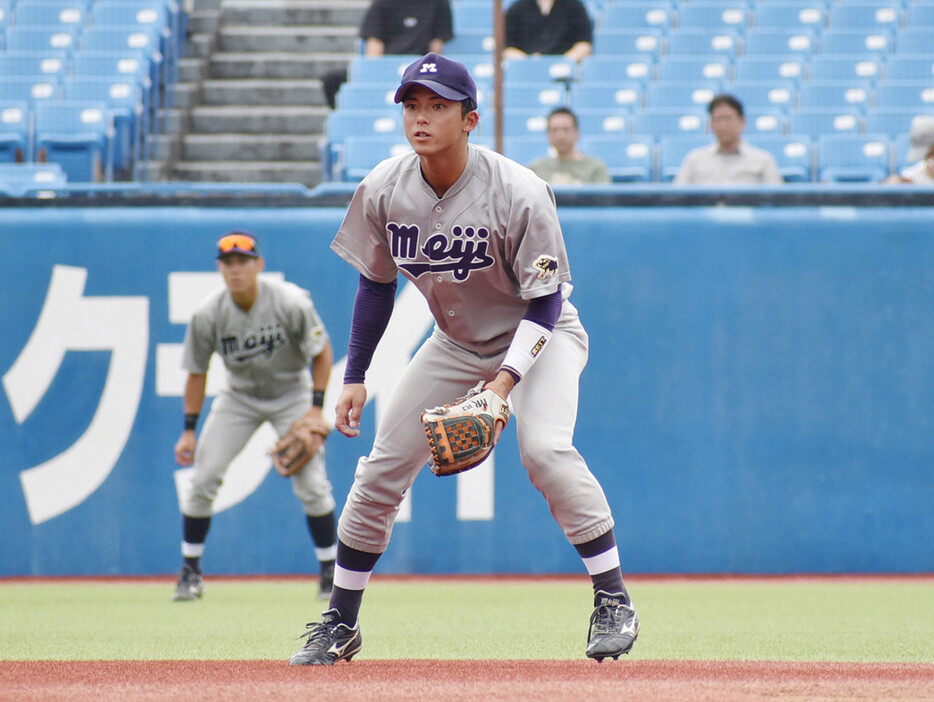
(529,340)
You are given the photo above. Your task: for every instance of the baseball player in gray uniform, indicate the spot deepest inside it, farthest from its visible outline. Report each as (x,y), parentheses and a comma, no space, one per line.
(479,236)
(267,332)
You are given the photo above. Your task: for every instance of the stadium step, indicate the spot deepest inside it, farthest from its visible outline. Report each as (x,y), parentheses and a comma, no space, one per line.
(295,12)
(250,147)
(269,119)
(262,92)
(299,39)
(307,173)
(283,64)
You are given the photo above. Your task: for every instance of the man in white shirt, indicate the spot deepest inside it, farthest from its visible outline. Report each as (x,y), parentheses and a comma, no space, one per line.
(920,170)
(730,160)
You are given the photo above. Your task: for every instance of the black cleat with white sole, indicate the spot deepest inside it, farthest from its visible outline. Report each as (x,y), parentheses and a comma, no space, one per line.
(329,641)
(614,626)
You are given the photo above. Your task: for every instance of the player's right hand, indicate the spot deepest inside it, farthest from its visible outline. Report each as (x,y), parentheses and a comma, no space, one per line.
(349,408)
(185,448)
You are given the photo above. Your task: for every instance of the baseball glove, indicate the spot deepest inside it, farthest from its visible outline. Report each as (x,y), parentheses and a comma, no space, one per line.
(299,445)
(462,434)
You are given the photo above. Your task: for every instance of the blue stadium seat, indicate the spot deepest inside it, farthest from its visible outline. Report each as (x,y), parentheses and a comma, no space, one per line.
(608,42)
(914,41)
(525,149)
(845,68)
(627,159)
(606,69)
(900,147)
(41,38)
(472,17)
(915,67)
(14,132)
(638,15)
(342,124)
(765,120)
(525,122)
(361,154)
(836,94)
(469,43)
(891,121)
(52,13)
(673,149)
(792,152)
(919,13)
(529,96)
(132,43)
(795,15)
(847,42)
(869,14)
(758,94)
(792,44)
(661,122)
(539,69)
(714,16)
(125,103)
(701,67)
(74,135)
(816,122)
(603,122)
(382,70)
(853,158)
(690,42)
(20,63)
(617,96)
(146,15)
(695,94)
(18,179)
(6,15)
(31,89)
(917,95)
(768,69)
(353,96)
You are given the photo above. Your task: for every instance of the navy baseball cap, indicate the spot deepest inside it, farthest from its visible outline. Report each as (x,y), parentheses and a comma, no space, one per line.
(446,77)
(238,242)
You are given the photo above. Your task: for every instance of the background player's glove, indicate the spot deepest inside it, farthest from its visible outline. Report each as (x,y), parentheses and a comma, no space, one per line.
(462,434)
(299,445)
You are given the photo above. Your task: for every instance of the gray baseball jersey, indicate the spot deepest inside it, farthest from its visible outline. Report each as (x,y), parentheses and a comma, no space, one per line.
(478,255)
(495,235)
(266,350)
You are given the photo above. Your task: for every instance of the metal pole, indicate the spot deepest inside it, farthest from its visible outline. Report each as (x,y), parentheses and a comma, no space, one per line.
(499,37)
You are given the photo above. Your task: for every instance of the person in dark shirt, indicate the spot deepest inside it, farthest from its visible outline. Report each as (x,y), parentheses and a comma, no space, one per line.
(555,27)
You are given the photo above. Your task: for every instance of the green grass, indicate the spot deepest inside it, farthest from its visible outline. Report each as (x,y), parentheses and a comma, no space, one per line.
(859,621)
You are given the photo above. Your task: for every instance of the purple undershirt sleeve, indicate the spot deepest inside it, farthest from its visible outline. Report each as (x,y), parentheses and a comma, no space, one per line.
(372,309)
(545,310)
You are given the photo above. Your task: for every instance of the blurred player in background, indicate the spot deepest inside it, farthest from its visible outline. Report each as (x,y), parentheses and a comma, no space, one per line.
(267,333)
(479,236)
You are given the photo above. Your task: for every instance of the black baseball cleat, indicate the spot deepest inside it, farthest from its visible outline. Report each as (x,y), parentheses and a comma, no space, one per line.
(326,581)
(190,585)
(614,626)
(329,641)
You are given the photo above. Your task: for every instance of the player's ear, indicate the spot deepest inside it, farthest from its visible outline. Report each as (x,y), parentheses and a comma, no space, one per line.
(471,120)
(261,264)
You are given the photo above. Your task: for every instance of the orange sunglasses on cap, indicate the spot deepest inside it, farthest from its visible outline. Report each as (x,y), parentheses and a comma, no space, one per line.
(237,242)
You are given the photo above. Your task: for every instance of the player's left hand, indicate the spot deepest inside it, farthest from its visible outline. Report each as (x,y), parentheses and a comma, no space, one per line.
(349,409)
(300,443)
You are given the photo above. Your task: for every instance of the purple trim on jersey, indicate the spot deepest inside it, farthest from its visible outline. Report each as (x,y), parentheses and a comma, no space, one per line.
(545,310)
(372,309)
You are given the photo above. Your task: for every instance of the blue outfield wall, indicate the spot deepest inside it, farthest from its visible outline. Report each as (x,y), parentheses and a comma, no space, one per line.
(759,397)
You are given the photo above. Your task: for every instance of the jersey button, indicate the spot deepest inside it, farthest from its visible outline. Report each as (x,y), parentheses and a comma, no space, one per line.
(439,208)
(437,225)
(440,279)
(450,313)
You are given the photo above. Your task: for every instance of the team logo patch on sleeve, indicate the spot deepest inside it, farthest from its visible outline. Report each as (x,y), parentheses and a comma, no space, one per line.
(547,266)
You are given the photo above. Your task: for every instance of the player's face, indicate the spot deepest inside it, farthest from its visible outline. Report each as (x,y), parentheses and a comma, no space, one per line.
(562,134)
(727,125)
(240,271)
(432,124)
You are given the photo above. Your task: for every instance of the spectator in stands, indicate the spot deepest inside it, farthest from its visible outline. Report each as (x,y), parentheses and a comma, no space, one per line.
(552,27)
(920,154)
(569,166)
(730,160)
(404,27)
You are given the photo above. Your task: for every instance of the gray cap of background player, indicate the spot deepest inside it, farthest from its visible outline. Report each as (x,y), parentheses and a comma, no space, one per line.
(921,137)
(239,242)
(446,77)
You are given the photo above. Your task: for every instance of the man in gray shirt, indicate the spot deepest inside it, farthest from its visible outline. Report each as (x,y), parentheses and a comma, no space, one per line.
(730,160)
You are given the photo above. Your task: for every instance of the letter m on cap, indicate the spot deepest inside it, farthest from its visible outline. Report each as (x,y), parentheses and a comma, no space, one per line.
(429,68)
